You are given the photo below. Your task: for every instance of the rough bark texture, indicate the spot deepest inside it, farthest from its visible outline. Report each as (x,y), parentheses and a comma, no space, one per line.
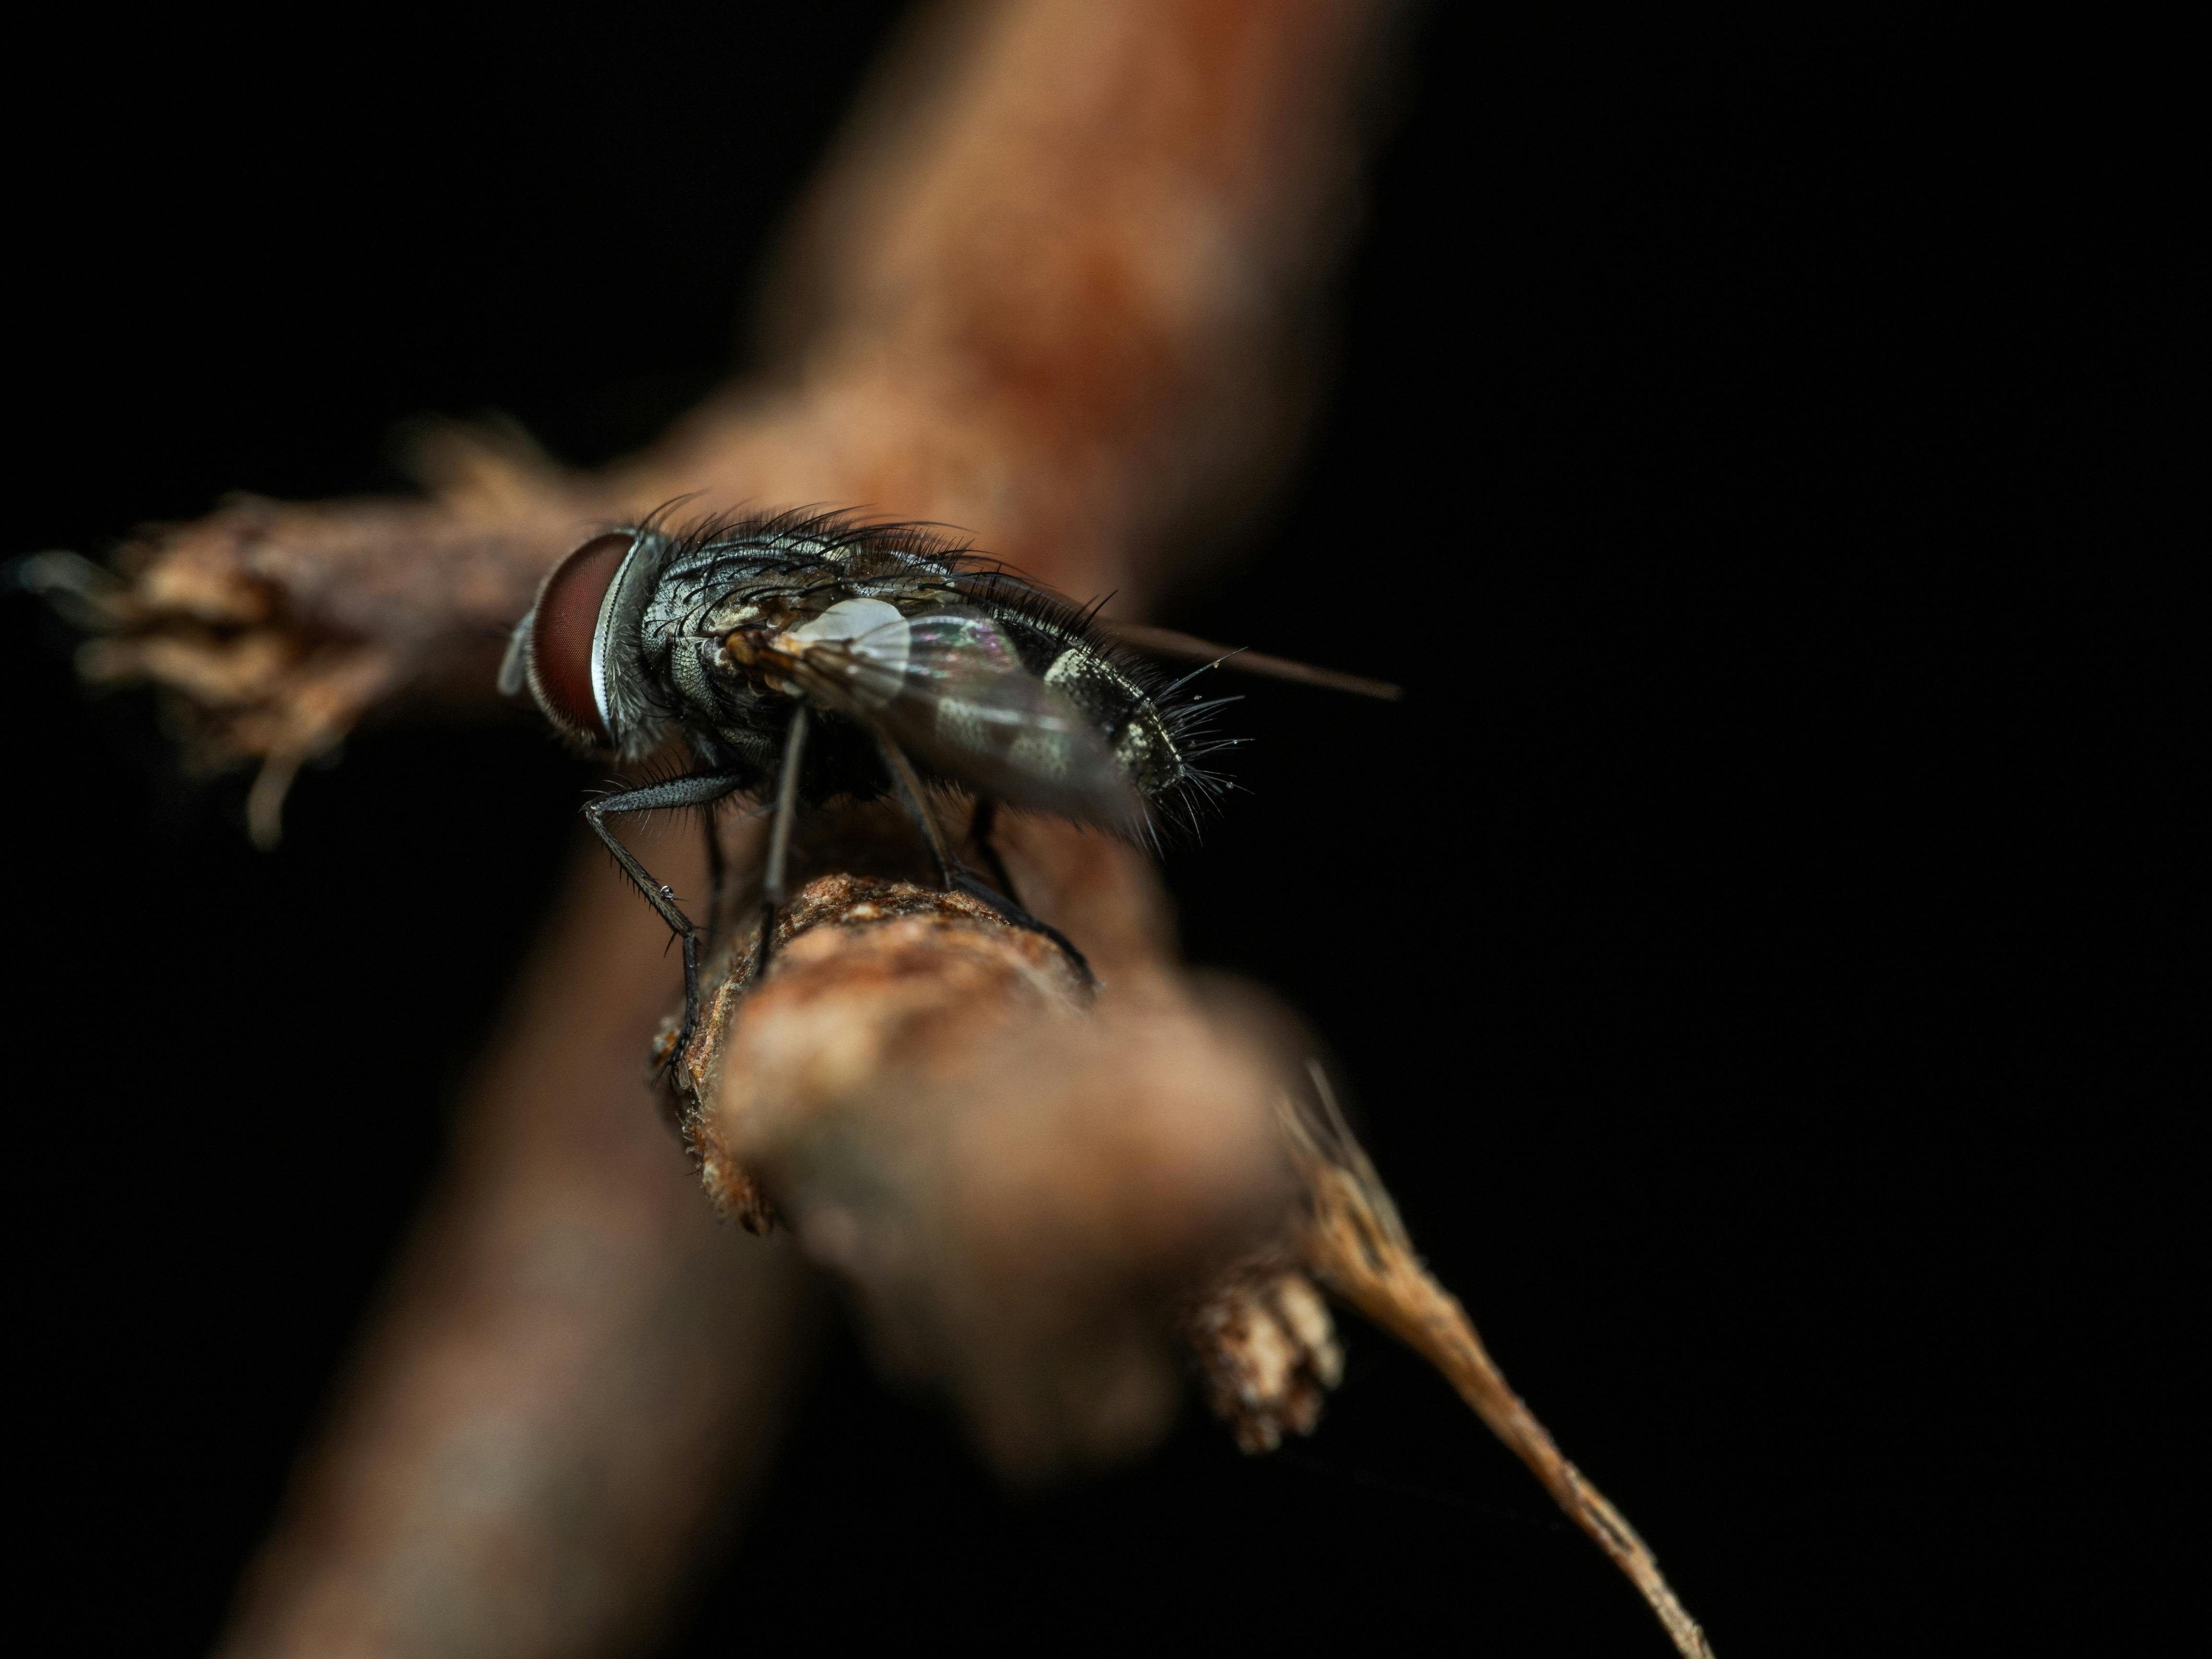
(1026,1180)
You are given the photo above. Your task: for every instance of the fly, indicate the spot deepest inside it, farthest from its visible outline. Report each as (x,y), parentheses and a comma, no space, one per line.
(804,657)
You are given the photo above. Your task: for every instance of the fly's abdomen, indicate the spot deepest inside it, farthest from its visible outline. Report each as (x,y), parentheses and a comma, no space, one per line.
(1142,746)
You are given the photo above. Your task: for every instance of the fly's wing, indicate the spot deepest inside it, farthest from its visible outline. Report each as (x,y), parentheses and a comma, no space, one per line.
(948,687)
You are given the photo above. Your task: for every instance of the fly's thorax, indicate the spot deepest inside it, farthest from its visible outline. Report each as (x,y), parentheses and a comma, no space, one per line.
(690,671)
(703,637)
(756,608)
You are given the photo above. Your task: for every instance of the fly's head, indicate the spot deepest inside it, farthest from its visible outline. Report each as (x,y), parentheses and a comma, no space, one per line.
(581,650)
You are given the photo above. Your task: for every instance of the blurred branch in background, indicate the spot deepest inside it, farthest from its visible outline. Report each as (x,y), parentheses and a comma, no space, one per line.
(575,1369)
(1058,288)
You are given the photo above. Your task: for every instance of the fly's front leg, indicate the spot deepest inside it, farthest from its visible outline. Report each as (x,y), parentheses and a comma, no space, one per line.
(699,790)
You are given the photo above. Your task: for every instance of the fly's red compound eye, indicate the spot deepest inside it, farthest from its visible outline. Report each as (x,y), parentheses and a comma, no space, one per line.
(567,617)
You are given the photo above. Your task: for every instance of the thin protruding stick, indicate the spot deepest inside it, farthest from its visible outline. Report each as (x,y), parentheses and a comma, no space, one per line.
(1168,642)
(1357,1247)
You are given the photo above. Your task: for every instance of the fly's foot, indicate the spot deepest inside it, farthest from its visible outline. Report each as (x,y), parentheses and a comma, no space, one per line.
(964,880)
(670,1043)
(664,1075)
(690,938)
(756,969)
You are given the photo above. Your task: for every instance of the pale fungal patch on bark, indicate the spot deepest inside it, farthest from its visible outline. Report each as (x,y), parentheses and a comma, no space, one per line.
(1268,1353)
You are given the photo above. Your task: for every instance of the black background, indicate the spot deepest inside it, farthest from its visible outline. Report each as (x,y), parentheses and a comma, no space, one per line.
(1761,446)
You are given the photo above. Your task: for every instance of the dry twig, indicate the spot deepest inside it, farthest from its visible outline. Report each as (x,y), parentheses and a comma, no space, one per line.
(1023,1180)
(1353,1241)
(1026,1187)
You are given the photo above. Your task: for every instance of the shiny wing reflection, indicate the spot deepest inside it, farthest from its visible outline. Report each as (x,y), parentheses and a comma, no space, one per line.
(949,689)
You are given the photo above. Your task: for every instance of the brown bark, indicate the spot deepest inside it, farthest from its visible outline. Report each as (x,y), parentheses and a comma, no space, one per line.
(1036,1192)
(1025,1179)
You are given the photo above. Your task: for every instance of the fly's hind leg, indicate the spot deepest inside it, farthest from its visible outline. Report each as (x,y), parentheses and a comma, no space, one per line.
(909,784)
(700,789)
(953,876)
(981,823)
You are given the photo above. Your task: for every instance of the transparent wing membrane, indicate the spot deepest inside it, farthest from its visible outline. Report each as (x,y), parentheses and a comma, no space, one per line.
(949,688)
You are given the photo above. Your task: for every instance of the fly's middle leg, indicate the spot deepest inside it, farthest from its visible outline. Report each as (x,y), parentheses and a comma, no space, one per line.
(981,823)
(909,784)
(953,876)
(773,878)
